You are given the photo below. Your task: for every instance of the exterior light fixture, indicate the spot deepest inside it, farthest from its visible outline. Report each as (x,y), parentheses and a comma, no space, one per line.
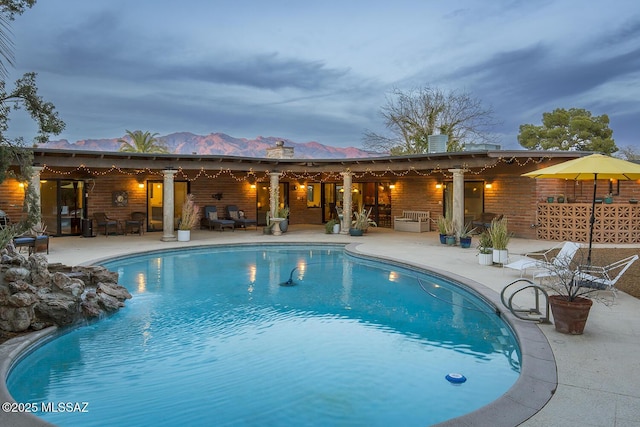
(488,185)
(438,186)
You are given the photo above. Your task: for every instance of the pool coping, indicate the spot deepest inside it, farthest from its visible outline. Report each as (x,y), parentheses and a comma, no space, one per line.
(532,390)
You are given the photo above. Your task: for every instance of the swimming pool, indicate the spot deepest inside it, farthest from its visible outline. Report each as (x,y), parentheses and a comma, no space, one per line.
(211,337)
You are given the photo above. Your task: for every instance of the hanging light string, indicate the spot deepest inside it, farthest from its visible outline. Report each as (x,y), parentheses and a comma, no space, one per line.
(305,175)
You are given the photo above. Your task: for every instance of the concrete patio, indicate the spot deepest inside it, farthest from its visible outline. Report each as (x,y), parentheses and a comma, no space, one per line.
(598,372)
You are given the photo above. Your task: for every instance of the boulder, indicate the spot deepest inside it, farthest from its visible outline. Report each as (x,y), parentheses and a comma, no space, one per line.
(34,294)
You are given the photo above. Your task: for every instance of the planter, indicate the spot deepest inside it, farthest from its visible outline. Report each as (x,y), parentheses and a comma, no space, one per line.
(608,200)
(500,256)
(184,235)
(284,225)
(336,228)
(450,240)
(266,230)
(560,199)
(356,232)
(443,239)
(465,242)
(549,199)
(485,259)
(570,317)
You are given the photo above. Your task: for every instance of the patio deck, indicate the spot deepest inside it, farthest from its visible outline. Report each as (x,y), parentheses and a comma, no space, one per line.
(598,372)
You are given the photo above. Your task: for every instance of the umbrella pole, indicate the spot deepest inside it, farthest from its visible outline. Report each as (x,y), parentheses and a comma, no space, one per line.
(593,216)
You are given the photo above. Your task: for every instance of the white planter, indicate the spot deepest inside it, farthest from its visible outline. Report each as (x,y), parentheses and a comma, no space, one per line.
(336,228)
(184,235)
(500,256)
(485,259)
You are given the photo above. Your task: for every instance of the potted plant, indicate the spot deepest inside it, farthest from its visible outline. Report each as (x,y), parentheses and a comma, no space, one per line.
(451,231)
(189,218)
(560,198)
(444,224)
(361,222)
(465,235)
(284,213)
(332,226)
(571,294)
(608,199)
(500,237)
(550,199)
(485,249)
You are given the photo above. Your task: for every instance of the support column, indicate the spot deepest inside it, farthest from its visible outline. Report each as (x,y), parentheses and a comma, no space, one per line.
(274,193)
(346,202)
(167,206)
(458,198)
(34,183)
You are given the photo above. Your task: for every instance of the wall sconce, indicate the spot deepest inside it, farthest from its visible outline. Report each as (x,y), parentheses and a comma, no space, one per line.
(253,186)
(217,196)
(392,186)
(21,184)
(302,186)
(141,185)
(438,186)
(488,185)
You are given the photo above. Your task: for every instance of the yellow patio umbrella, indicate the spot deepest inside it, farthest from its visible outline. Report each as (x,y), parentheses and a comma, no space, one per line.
(592,167)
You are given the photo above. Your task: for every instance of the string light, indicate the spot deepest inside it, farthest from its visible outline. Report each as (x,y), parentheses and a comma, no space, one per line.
(313,176)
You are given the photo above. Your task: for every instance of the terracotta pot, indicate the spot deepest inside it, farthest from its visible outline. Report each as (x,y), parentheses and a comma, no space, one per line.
(570,317)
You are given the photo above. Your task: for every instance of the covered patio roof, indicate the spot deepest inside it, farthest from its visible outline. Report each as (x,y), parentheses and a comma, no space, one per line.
(55,158)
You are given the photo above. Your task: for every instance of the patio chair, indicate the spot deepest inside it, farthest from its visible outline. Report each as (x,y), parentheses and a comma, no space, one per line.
(239,219)
(136,223)
(484,222)
(210,219)
(604,278)
(567,251)
(103,221)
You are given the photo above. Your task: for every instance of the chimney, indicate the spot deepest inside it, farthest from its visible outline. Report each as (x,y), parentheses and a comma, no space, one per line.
(280,151)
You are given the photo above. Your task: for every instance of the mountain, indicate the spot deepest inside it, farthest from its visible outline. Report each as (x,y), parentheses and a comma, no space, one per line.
(221,144)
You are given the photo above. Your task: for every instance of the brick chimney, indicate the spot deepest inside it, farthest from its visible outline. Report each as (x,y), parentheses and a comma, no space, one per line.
(280,151)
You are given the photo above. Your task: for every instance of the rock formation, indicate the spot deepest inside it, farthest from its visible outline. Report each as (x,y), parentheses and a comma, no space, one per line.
(35,294)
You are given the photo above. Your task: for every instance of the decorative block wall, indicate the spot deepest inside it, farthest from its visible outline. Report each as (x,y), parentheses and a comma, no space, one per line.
(614,223)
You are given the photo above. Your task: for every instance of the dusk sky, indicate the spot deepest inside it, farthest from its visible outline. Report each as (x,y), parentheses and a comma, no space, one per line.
(321,71)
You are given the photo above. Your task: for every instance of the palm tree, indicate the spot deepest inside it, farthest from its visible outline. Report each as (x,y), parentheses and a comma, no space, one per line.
(142,143)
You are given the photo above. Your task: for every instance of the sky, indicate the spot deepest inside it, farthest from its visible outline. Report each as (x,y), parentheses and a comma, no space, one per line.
(321,71)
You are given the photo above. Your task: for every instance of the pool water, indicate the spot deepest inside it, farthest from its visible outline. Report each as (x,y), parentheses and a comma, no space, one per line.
(211,337)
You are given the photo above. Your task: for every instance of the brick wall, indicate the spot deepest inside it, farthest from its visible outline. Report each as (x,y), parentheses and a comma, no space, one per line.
(11,199)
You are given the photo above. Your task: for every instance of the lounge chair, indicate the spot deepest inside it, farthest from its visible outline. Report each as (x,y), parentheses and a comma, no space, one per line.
(210,219)
(239,219)
(604,278)
(562,260)
(103,221)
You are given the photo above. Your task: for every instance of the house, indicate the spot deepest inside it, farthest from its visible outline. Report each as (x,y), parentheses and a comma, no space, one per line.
(74,184)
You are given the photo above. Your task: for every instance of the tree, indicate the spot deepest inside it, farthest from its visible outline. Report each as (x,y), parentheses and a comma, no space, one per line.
(573,129)
(8,10)
(413,116)
(629,153)
(24,95)
(141,143)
